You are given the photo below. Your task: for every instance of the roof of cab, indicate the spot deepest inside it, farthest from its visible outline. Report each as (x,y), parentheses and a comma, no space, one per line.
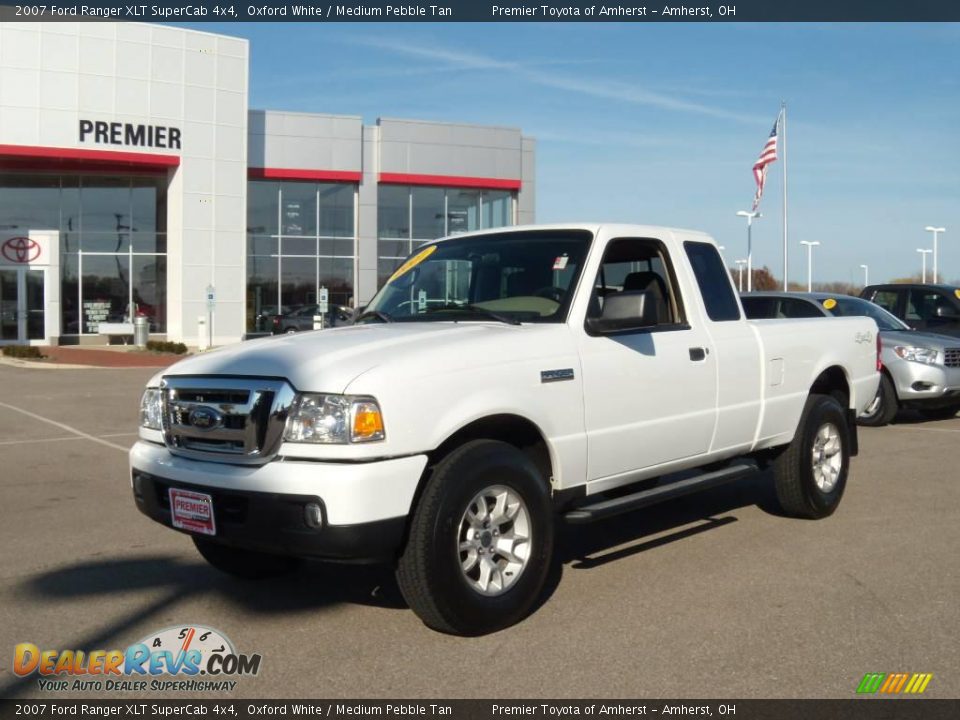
(625,229)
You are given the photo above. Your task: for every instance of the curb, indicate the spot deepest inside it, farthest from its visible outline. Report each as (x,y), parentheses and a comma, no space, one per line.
(44,365)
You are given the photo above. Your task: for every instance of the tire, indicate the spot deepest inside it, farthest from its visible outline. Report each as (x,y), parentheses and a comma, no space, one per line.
(247,564)
(802,492)
(450,552)
(884,407)
(290,330)
(940,413)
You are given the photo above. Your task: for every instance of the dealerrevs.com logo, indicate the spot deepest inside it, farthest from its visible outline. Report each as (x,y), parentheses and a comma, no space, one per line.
(182,658)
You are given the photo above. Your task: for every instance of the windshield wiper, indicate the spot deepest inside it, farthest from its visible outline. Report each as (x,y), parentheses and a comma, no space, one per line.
(381,316)
(476,310)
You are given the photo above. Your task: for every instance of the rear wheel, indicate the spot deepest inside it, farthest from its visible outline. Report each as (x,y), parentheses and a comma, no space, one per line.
(242,563)
(811,474)
(480,542)
(940,413)
(884,406)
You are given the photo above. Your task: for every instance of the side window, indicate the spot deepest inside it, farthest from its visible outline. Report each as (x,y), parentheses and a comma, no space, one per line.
(631,264)
(922,305)
(887,299)
(759,308)
(793,308)
(714,281)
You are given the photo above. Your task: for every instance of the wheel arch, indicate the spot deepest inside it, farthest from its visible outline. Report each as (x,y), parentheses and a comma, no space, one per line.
(516,430)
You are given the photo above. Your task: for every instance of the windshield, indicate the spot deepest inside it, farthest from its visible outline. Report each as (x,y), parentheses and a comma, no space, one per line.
(516,276)
(849,306)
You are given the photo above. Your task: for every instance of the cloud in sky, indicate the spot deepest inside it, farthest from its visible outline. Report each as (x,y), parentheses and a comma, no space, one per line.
(532,72)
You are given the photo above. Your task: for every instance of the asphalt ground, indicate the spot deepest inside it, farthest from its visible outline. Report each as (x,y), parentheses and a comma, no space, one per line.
(714,595)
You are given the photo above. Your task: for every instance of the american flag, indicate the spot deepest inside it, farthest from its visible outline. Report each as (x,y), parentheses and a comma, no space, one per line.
(767,156)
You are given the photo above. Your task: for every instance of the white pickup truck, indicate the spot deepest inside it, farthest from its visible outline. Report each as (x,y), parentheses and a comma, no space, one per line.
(499,383)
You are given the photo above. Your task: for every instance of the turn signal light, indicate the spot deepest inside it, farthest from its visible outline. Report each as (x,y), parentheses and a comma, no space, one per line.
(367,422)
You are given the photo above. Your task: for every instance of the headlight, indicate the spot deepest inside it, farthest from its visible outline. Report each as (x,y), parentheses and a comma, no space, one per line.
(151,410)
(928,356)
(334,419)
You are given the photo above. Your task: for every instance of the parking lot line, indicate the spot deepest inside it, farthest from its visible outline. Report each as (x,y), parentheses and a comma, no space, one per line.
(70,438)
(63,426)
(925,429)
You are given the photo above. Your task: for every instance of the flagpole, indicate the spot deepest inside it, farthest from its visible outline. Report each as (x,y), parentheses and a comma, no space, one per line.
(786,274)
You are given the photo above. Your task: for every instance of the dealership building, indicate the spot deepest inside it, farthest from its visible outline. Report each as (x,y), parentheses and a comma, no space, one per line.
(135,181)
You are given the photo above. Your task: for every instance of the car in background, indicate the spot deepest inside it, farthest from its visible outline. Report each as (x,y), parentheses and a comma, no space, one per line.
(301,318)
(935,308)
(921,370)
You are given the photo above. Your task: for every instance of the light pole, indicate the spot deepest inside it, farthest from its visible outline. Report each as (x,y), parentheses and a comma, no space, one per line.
(866,275)
(810,245)
(750,217)
(936,232)
(924,252)
(740,264)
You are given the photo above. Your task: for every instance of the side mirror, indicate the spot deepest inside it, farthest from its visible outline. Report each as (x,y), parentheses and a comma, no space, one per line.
(624,311)
(946,312)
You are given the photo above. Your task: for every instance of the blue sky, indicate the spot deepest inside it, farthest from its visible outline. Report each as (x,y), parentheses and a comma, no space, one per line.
(660,123)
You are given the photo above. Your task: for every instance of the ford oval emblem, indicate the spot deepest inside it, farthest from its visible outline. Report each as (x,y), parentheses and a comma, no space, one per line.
(205,418)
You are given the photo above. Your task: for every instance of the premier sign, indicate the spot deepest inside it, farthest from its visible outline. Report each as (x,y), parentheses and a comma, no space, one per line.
(116,133)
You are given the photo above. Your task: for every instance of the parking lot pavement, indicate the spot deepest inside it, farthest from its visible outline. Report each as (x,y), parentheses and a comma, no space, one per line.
(714,595)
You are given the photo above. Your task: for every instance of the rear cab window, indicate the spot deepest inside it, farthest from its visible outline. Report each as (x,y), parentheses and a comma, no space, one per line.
(713,280)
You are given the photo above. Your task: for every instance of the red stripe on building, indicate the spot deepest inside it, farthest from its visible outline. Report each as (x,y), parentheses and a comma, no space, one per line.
(349,176)
(27,156)
(449,181)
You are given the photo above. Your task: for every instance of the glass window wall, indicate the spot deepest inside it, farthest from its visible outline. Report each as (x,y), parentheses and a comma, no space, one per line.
(300,237)
(112,242)
(409,216)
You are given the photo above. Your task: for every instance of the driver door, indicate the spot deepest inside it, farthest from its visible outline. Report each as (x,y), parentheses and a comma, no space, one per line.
(650,394)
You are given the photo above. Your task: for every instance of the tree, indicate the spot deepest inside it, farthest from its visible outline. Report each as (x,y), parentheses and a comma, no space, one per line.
(763,279)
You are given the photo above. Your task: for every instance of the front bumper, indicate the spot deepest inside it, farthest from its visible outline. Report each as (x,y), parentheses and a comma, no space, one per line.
(364,505)
(920,385)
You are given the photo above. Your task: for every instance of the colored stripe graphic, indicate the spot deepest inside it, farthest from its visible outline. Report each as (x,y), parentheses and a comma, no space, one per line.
(871,682)
(918,683)
(894,683)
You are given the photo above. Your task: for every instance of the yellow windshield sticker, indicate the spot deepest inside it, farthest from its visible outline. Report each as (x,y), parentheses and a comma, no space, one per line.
(413,262)
(829,303)
(957,293)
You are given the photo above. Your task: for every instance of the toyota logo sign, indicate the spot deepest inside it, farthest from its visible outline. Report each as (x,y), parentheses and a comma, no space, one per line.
(21,250)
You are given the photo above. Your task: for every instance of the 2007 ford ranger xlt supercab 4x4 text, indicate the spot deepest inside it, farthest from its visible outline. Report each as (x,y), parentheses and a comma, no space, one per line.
(499,383)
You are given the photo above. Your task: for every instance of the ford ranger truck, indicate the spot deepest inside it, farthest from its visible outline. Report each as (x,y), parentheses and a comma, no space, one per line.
(498,384)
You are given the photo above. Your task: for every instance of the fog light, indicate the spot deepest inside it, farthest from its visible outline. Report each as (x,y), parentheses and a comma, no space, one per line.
(313,516)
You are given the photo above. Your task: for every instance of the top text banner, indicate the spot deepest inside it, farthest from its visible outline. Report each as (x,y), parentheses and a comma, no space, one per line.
(487,11)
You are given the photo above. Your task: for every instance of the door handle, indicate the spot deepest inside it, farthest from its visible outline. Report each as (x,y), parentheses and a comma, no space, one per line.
(698,353)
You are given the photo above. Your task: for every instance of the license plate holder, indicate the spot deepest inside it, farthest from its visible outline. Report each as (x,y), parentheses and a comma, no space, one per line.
(192,511)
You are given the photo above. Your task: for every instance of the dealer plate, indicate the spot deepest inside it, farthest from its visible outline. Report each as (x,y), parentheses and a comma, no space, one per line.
(192,511)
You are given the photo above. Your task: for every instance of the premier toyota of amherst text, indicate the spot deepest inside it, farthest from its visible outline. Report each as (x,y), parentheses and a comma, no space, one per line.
(498,384)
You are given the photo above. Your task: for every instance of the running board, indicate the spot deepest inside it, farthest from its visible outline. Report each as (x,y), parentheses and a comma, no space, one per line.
(644,498)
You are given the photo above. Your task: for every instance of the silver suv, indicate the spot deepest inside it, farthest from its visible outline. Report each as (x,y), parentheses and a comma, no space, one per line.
(921,370)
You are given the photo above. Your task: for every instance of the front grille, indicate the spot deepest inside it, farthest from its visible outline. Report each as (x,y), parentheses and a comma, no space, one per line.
(951,357)
(235,420)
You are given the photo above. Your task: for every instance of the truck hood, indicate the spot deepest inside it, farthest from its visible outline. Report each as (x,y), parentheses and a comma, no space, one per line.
(328,360)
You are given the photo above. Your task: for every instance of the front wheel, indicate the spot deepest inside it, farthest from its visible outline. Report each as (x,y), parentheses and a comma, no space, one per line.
(480,542)
(247,564)
(884,406)
(811,474)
